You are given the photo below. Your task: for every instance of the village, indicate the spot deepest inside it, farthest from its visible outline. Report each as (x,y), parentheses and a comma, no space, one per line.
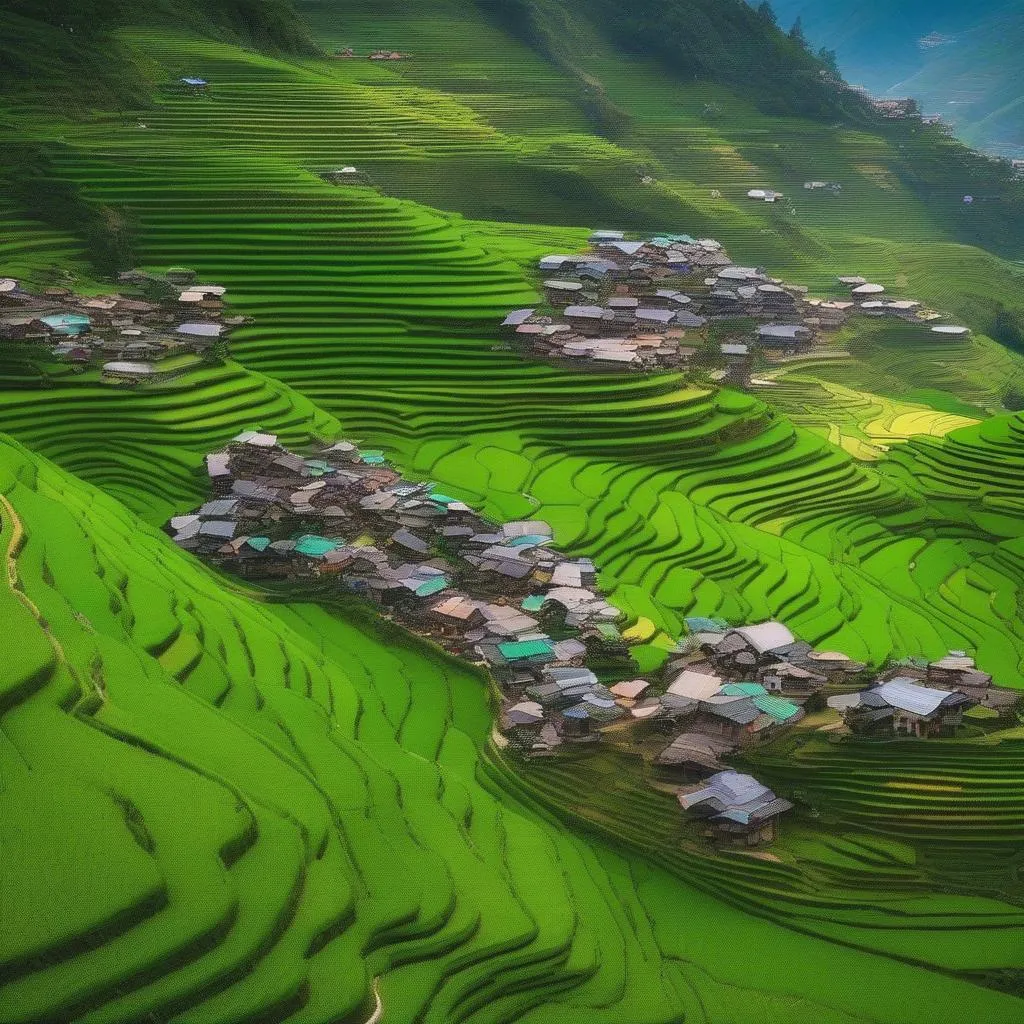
(342,520)
(674,302)
(165,326)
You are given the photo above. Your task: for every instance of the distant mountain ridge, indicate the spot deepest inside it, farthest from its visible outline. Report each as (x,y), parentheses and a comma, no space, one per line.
(960,61)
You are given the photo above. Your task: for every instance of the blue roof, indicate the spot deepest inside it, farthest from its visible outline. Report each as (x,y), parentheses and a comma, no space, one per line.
(193,81)
(579,711)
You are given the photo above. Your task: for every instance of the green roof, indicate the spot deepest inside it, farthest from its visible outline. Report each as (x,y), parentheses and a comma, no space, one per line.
(743,689)
(608,631)
(513,650)
(432,586)
(314,546)
(777,707)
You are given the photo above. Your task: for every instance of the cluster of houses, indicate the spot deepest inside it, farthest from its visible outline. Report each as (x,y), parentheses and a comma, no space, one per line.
(646,305)
(503,597)
(133,338)
(347,53)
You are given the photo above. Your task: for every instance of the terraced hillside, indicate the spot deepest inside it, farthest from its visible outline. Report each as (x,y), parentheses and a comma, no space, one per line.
(382,313)
(254,811)
(218,809)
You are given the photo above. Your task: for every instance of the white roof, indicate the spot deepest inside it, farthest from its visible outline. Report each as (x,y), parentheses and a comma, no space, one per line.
(8,284)
(766,636)
(695,685)
(217,464)
(526,528)
(257,439)
(130,368)
(950,329)
(730,349)
(201,330)
(908,696)
(868,289)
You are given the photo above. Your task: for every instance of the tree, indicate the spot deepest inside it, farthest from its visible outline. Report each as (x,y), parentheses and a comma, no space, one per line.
(766,13)
(796,33)
(830,59)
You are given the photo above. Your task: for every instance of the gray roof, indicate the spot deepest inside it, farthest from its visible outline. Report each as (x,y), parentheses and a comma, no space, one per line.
(787,331)
(218,507)
(907,695)
(730,796)
(517,316)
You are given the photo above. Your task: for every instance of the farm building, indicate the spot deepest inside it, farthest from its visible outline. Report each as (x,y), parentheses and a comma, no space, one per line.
(737,808)
(904,707)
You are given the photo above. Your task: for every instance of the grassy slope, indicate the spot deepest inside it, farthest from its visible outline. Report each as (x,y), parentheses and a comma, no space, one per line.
(295,803)
(381,313)
(345,284)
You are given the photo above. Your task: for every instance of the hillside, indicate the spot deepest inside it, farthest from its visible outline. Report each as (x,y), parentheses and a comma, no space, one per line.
(252,807)
(961,62)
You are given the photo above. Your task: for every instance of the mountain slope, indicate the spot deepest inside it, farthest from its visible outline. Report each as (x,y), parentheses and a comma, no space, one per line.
(961,62)
(269,806)
(304,800)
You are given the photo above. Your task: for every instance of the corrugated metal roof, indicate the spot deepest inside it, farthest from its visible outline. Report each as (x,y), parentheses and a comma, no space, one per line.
(909,696)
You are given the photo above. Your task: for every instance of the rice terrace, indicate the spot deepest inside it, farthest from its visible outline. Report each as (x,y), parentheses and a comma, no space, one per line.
(510,511)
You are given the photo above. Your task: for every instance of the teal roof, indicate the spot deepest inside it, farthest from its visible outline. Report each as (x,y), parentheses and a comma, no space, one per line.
(258,543)
(704,624)
(62,319)
(442,499)
(743,690)
(314,546)
(533,603)
(532,539)
(777,707)
(513,650)
(432,586)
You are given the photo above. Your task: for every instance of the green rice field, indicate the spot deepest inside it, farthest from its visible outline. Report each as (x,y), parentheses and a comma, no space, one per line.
(219,806)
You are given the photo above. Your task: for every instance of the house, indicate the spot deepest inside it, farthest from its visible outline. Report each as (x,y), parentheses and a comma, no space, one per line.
(951,331)
(692,755)
(200,334)
(195,84)
(787,336)
(904,707)
(126,372)
(743,650)
(586,319)
(734,719)
(957,670)
(517,317)
(67,324)
(766,195)
(736,808)
(696,686)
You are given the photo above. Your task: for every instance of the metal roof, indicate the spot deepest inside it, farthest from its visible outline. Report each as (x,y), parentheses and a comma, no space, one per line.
(909,696)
